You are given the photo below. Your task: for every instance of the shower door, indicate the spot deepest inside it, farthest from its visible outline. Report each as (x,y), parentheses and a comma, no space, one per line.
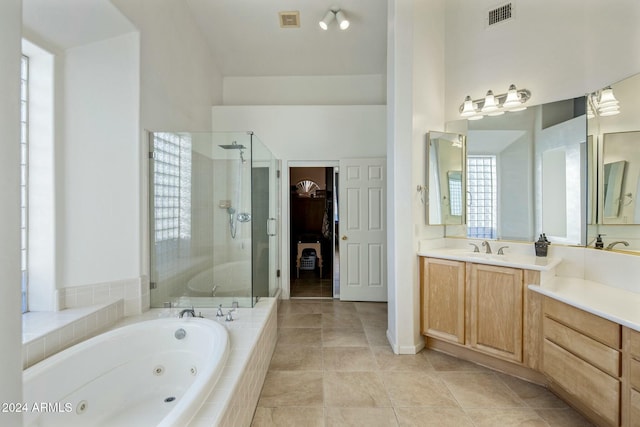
(201,219)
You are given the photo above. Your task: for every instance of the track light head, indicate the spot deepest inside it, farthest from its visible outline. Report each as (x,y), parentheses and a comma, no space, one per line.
(332,14)
(328,17)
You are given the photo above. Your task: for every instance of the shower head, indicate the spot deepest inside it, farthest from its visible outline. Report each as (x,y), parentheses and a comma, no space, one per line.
(233,146)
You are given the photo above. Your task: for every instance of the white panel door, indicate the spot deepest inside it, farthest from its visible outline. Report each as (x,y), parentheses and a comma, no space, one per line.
(362,226)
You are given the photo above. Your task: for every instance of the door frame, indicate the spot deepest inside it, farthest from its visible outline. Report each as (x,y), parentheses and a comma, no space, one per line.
(286,215)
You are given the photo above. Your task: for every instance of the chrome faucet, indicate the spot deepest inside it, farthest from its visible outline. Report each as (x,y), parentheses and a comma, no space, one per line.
(229,317)
(486,245)
(190,311)
(501,250)
(219,313)
(612,244)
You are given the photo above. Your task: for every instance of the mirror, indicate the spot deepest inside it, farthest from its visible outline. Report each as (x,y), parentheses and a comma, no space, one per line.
(445,172)
(526,174)
(615,208)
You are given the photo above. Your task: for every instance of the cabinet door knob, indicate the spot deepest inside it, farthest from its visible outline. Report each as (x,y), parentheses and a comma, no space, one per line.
(344,237)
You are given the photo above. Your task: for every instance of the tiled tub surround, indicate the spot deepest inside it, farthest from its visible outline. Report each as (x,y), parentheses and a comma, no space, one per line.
(46,333)
(134,293)
(252,336)
(81,313)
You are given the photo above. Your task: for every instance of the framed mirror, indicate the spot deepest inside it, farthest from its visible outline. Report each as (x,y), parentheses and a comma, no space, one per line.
(445,178)
(526,174)
(616,136)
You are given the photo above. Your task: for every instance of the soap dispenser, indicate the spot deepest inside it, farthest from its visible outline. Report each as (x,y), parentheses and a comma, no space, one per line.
(542,245)
(599,243)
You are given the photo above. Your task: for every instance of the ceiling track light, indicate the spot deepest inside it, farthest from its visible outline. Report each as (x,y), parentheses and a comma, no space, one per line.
(494,105)
(338,15)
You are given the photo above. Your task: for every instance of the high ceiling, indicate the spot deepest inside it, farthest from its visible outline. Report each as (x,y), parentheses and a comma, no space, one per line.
(246,38)
(244,35)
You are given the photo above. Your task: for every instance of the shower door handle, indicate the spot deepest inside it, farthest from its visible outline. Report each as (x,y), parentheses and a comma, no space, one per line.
(272,227)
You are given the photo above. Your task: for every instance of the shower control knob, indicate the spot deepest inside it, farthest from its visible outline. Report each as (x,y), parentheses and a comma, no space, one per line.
(344,237)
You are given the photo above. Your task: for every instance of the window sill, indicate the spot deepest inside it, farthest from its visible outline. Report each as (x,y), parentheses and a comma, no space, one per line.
(49,332)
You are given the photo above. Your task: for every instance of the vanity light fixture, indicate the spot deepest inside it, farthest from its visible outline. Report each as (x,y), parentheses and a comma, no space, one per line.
(338,15)
(495,105)
(608,105)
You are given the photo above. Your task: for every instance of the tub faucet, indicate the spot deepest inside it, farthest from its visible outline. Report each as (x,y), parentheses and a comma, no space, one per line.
(486,245)
(229,317)
(219,313)
(475,247)
(501,250)
(190,311)
(612,244)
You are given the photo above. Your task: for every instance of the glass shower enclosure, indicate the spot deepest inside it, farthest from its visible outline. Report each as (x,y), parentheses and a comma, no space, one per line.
(213,210)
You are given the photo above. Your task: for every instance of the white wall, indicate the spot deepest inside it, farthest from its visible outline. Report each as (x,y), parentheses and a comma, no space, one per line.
(10,319)
(99,192)
(305,90)
(556,49)
(415,97)
(179,78)
(317,134)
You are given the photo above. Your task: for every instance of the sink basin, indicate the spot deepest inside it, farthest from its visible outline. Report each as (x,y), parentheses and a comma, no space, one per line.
(529,262)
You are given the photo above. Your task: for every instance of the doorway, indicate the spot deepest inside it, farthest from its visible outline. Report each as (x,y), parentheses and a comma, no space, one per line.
(313,219)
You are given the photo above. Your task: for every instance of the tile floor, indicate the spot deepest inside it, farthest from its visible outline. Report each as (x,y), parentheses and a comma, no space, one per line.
(333,367)
(310,285)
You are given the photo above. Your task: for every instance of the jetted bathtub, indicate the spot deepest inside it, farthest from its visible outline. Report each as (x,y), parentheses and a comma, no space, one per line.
(151,373)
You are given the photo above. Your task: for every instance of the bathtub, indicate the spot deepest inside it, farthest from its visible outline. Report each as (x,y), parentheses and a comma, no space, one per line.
(229,279)
(151,373)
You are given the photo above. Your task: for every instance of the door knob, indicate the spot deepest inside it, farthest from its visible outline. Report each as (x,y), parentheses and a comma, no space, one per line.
(344,237)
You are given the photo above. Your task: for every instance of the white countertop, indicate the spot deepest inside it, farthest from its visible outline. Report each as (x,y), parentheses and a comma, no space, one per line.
(527,262)
(618,305)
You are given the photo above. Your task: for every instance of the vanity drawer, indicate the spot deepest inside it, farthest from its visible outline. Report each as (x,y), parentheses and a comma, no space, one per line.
(634,373)
(634,409)
(587,384)
(600,329)
(634,343)
(590,350)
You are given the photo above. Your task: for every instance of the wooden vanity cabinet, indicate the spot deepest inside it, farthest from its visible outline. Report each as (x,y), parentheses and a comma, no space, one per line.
(582,358)
(495,310)
(631,378)
(443,300)
(478,307)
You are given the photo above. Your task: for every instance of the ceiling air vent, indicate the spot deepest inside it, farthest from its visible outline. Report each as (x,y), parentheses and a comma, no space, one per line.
(500,14)
(290,19)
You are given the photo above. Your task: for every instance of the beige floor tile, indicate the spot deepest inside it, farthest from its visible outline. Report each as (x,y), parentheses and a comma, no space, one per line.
(357,417)
(417,389)
(354,389)
(374,320)
(301,321)
(288,417)
(563,418)
(348,359)
(376,336)
(341,320)
(339,307)
(533,395)
(432,417)
(445,363)
(524,417)
(480,390)
(343,337)
(288,307)
(371,307)
(300,336)
(387,360)
(285,388)
(296,358)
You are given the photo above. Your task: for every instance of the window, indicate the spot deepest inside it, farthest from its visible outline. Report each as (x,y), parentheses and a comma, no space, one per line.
(483,199)
(172,186)
(24,178)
